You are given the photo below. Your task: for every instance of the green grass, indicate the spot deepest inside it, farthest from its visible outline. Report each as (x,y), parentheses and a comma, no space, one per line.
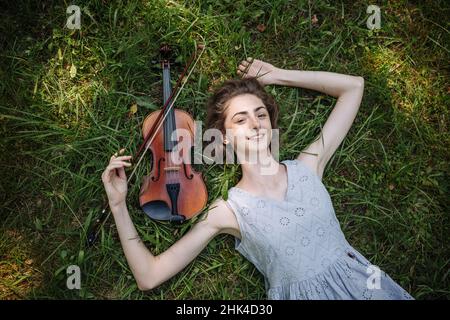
(388,180)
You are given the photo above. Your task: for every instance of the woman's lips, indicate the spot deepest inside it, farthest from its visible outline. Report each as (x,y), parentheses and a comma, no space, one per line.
(256,137)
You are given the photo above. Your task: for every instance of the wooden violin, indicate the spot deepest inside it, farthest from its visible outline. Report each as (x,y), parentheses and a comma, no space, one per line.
(173,190)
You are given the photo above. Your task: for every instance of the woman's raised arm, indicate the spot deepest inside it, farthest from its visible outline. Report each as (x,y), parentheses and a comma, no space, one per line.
(347,89)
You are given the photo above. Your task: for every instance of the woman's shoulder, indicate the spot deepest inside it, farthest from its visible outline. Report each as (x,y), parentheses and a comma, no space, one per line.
(309,164)
(222,216)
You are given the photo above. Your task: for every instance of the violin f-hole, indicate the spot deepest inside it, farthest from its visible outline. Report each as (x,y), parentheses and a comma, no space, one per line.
(154,179)
(190,176)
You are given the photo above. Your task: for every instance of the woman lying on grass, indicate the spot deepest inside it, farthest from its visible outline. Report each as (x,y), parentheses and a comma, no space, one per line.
(283,222)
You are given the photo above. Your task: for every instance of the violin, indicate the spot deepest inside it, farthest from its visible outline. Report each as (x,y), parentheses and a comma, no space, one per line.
(172,191)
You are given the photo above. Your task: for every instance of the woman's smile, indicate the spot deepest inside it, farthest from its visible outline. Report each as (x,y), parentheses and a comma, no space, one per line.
(256,137)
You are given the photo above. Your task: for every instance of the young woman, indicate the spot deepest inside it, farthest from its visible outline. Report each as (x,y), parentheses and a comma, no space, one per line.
(283,222)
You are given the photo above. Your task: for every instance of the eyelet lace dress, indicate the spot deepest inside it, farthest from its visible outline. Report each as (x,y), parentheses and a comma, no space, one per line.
(299,247)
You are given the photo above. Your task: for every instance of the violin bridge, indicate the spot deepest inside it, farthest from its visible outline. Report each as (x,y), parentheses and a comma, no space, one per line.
(172,169)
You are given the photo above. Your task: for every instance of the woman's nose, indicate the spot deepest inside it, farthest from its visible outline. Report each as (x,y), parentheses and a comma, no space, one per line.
(255,124)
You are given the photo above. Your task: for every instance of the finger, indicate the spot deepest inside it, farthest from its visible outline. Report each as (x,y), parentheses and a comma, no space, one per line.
(121,173)
(115,155)
(117,164)
(114,160)
(245,63)
(122,158)
(247,67)
(123,163)
(240,73)
(250,59)
(242,68)
(107,174)
(111,168)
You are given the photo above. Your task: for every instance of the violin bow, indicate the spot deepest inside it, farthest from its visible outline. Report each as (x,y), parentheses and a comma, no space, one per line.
(105,214)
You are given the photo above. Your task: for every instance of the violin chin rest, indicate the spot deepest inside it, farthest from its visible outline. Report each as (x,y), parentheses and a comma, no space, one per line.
(159,210)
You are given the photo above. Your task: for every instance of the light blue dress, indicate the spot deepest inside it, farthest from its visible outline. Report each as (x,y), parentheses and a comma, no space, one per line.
(299,247)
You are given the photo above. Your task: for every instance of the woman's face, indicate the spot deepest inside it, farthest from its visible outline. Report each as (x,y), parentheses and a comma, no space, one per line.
(247,124)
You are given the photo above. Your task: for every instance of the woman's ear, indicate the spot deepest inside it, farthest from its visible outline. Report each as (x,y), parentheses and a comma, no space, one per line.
(224,138)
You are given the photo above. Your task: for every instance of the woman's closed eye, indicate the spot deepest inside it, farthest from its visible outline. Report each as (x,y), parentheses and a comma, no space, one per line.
(242,120)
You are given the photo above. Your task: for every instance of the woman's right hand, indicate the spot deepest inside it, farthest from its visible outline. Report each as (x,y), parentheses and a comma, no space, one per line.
(263,71)
(115,180)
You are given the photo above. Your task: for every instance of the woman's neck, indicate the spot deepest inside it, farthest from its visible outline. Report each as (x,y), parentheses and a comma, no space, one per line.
(263,172)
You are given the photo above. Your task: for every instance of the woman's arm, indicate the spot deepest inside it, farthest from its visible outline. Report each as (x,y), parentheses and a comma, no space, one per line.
(150,271)
(346,88)
(333,84)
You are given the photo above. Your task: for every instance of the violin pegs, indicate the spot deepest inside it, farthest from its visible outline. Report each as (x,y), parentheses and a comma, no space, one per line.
(165,50)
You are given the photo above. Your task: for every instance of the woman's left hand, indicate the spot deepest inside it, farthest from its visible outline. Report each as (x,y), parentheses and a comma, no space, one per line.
(115,180)
(263,71)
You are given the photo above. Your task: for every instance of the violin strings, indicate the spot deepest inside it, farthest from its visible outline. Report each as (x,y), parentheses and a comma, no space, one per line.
(148,144)
(166,113)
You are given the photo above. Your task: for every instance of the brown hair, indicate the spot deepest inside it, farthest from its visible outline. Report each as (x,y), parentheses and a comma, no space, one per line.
(232,88)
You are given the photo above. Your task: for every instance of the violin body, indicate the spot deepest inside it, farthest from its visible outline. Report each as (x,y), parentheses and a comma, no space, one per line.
(173,190)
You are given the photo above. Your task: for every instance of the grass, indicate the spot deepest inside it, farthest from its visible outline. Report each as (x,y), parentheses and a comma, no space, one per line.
(388,180)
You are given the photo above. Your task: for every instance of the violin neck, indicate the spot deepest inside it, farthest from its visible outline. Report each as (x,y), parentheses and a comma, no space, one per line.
(169,122)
